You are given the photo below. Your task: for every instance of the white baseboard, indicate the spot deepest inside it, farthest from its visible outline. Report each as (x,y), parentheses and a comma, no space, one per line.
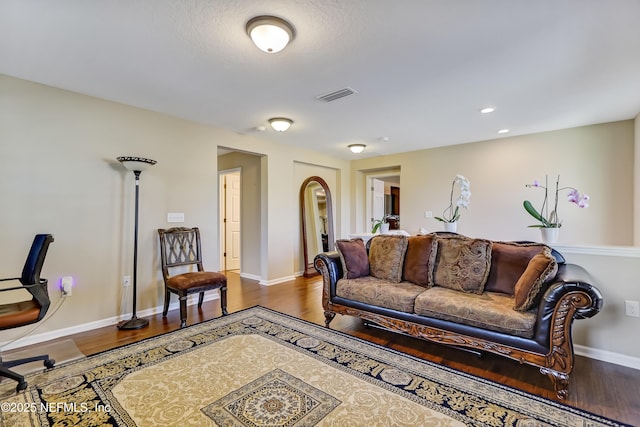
(110,321)
(607,356)
(250,276)
(277,281)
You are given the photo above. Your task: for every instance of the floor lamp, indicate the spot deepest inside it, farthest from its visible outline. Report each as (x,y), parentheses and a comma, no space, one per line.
(137,165)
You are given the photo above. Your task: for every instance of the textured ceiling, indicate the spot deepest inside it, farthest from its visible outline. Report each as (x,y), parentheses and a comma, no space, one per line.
(422,68)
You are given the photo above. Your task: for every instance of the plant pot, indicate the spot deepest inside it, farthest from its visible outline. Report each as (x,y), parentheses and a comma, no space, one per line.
(451,226)
(384,228)
(549,235)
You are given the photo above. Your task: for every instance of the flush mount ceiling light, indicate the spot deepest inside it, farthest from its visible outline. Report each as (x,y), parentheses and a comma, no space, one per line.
(269,33)
(503,131)
(280,124)
(487,110)
(357,148)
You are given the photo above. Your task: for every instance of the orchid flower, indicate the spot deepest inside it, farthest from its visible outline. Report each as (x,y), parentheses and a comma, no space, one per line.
(550,219)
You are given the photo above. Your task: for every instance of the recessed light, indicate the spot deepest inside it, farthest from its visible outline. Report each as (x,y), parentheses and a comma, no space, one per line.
(503,131)
(487,110)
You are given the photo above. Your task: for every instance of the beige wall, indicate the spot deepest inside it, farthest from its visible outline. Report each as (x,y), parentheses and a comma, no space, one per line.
(596,159)
(58,174)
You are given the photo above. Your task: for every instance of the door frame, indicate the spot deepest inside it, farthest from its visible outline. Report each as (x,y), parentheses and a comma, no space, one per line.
(222,203)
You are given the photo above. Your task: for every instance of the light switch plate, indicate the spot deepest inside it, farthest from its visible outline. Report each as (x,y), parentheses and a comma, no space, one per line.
(175,217)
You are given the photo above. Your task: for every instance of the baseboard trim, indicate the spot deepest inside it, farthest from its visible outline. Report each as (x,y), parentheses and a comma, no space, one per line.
(607,356)
(277,281)
(250,276)
(110,321)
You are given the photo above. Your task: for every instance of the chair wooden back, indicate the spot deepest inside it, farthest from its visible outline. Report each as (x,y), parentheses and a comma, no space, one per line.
(180,246)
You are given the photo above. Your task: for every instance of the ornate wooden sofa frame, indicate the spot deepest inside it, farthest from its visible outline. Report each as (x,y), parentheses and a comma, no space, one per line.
(567,297)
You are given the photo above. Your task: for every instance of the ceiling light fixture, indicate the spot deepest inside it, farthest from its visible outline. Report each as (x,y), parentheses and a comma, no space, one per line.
(487,110)
(280,124)
(357,148)
(269,33)
(503,131)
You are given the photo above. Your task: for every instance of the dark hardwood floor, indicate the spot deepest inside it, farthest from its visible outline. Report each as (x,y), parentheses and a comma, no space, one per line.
(602,388)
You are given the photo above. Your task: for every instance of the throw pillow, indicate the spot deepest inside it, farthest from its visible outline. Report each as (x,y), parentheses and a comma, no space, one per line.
(460,263)
(354,259)
(416,261)
(508,261)
(386,257)
(541,268)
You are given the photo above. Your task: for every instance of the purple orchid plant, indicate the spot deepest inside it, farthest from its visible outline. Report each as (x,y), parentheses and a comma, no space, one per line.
(549,219)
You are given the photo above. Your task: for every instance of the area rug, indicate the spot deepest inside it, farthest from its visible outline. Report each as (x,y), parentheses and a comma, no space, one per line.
(262,368)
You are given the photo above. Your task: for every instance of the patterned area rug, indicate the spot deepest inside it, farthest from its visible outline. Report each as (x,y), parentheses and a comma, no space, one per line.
(261,368)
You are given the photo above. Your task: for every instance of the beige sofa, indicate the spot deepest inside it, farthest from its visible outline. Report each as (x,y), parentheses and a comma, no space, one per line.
(517,300)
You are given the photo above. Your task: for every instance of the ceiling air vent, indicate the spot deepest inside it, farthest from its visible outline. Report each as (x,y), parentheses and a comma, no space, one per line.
(341,93)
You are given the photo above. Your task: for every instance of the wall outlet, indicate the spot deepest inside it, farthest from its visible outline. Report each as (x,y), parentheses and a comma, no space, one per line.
(67,285)
(126,281)
(428,214)
(632,308)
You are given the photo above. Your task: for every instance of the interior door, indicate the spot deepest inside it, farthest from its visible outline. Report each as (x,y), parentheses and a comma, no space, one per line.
(377,199)
(232,221)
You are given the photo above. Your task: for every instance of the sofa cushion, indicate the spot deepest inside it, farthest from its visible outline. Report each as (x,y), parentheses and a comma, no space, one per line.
(490,310)
(542,267)
(508,262)
(354,258)
(460,263)
(416,260)
(380,292)
(386,257)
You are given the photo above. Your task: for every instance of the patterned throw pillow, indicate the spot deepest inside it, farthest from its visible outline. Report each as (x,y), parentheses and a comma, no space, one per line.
(416,261)
(354,259)
(460,263)
(541,268)
(386,257)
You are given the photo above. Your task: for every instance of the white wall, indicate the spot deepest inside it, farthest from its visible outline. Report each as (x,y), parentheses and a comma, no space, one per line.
(58,174)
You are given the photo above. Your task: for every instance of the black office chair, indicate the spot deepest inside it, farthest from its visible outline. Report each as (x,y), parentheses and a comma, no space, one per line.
(16,314)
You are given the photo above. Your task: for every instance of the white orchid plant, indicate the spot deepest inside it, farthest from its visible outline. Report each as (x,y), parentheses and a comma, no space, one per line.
(452,212)
(549,219)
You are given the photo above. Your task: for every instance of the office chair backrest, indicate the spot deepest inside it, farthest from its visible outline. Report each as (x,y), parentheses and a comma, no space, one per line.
(32,268)
(35,259)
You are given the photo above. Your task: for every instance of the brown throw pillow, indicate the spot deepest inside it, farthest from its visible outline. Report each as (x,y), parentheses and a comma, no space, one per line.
(508,261)
(416,261)
(460,263)
(354,259)
(541,268)
(386,257)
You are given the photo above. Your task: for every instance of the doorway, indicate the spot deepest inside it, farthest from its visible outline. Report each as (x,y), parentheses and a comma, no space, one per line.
(230,219)
(382,197)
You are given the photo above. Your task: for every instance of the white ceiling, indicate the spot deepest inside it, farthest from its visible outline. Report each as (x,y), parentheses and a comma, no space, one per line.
(422,68)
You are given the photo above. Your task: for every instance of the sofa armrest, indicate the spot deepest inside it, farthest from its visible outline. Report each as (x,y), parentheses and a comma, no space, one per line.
(328,264)
(574,278)
(570,295)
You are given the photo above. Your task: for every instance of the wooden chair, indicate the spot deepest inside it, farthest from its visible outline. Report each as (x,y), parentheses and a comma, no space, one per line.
(25,312)
(180,249)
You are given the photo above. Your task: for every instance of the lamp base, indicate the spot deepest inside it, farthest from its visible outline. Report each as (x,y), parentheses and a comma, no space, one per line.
(134,323)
